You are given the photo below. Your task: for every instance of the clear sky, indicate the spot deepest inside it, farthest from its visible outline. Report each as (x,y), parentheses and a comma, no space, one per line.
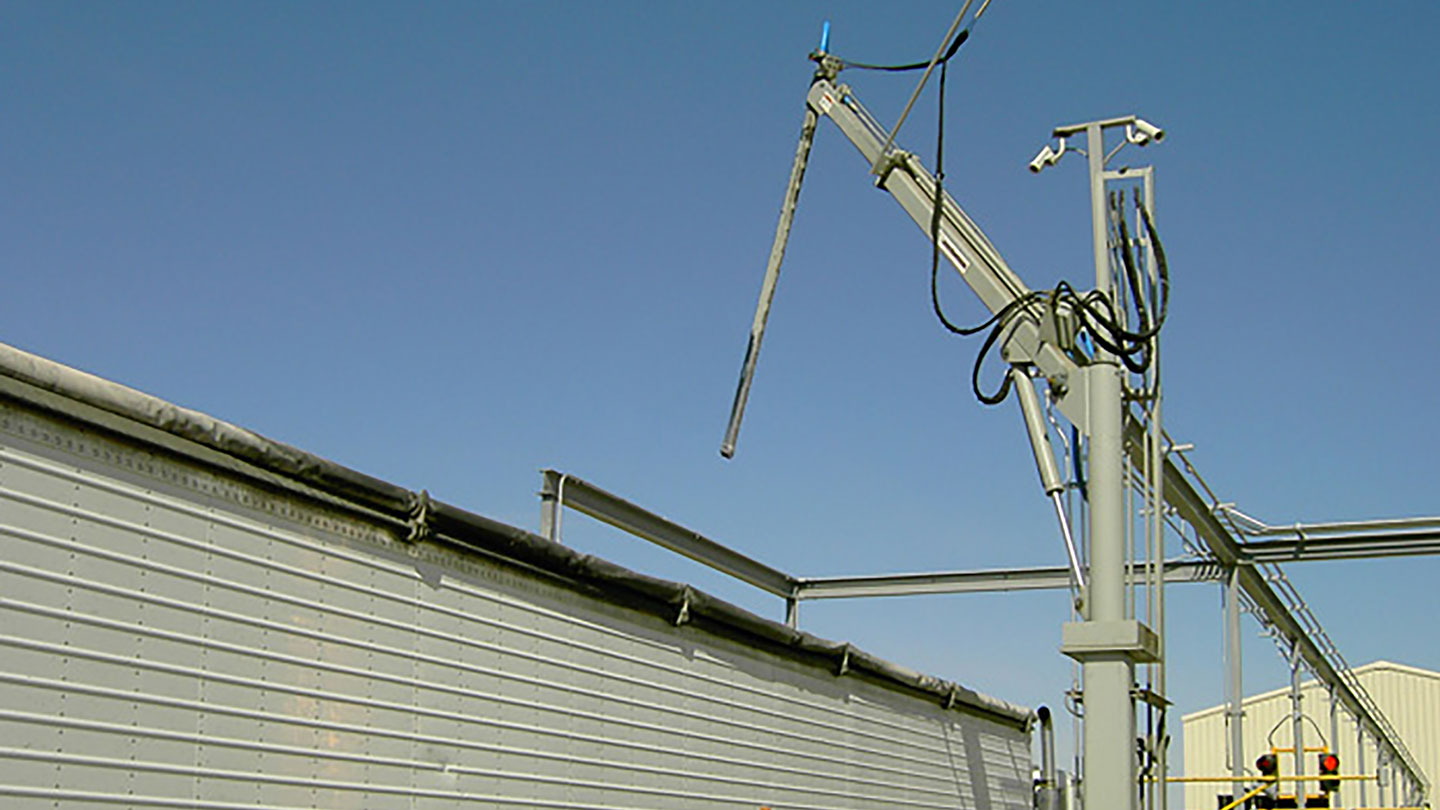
(449,244)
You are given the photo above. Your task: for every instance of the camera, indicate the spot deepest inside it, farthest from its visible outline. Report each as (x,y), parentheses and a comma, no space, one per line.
(1047,157)
(1143,132)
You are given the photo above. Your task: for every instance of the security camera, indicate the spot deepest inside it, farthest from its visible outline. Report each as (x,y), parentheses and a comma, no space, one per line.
(1046,157)
(1144,132)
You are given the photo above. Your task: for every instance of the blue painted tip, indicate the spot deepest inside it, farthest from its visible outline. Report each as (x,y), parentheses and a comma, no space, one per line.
(825,37)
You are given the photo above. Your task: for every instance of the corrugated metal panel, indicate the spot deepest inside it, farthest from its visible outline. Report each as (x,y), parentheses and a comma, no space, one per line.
(176,638)
(1408,696)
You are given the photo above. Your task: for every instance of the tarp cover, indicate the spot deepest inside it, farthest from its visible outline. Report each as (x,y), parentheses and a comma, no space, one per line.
(416,514)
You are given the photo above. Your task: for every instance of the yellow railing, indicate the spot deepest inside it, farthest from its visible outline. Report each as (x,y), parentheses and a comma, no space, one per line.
(1267,781)
(1242,799)
(1306,778)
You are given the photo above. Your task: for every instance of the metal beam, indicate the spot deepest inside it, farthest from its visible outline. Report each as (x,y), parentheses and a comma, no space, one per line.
(1344,547)
(1182,496)
(1254,526)
(984,581)
(626,516)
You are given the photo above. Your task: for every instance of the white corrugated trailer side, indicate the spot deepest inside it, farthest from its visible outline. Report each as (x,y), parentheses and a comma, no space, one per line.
(194,616)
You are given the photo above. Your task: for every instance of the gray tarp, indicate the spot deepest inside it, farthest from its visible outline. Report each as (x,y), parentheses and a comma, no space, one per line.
(415,514)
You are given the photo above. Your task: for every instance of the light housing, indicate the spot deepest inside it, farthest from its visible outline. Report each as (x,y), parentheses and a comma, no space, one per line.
(1267,765)
(1329,766)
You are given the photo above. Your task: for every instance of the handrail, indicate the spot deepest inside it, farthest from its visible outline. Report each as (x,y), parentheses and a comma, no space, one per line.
(1282,608)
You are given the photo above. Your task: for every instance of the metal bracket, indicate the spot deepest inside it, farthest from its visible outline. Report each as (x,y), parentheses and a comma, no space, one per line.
(1074,398)
(683,615)
(419,523)
(826,66)
(1059,325)
(889,163)
(1127,637)
(1150,697)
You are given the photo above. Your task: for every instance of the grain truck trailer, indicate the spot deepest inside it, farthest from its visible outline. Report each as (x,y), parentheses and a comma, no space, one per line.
(192,615)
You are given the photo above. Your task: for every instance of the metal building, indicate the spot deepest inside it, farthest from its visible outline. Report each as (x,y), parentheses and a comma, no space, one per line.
(1408,696)
(192,615)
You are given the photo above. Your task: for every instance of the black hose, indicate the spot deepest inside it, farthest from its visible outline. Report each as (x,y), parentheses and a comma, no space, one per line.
(954,46)
(1096,312)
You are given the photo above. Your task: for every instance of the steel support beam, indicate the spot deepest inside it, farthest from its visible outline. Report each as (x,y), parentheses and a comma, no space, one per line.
(1179,494)
(981,581)
(1258,527)
(608,508)
(1344,547)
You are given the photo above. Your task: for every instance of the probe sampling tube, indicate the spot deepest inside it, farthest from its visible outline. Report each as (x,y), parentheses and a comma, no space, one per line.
(1045,464)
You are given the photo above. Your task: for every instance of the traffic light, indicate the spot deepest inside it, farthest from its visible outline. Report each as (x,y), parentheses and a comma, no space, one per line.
(1267,765)
(1329,766)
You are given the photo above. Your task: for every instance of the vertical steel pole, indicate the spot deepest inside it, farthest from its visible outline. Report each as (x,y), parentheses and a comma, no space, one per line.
(1109,707)
(792,613)
(1233,685)
(1381,777)
(1360,758)
(552,504)
(1157,505)
(547,519)
(1297,719)
(1335,735)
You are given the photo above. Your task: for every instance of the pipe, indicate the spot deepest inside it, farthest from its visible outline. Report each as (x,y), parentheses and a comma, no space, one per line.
(1049,782)
(1255,526)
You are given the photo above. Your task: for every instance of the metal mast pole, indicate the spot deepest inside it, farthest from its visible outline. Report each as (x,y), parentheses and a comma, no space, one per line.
(1360,758)
(1236,712)
(1297,719)
(1108,676)
(1156,510)
(1334,741)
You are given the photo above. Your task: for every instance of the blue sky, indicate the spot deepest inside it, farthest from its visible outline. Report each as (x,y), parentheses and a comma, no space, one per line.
(449,244)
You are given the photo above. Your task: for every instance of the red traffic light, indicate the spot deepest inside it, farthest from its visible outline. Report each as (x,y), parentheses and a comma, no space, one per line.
(1266,765)
(1329,766)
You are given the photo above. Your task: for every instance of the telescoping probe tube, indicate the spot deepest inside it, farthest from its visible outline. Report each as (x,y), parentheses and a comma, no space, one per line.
(772,276)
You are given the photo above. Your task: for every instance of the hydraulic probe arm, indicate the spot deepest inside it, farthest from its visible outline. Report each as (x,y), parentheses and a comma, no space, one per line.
(1036,333)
